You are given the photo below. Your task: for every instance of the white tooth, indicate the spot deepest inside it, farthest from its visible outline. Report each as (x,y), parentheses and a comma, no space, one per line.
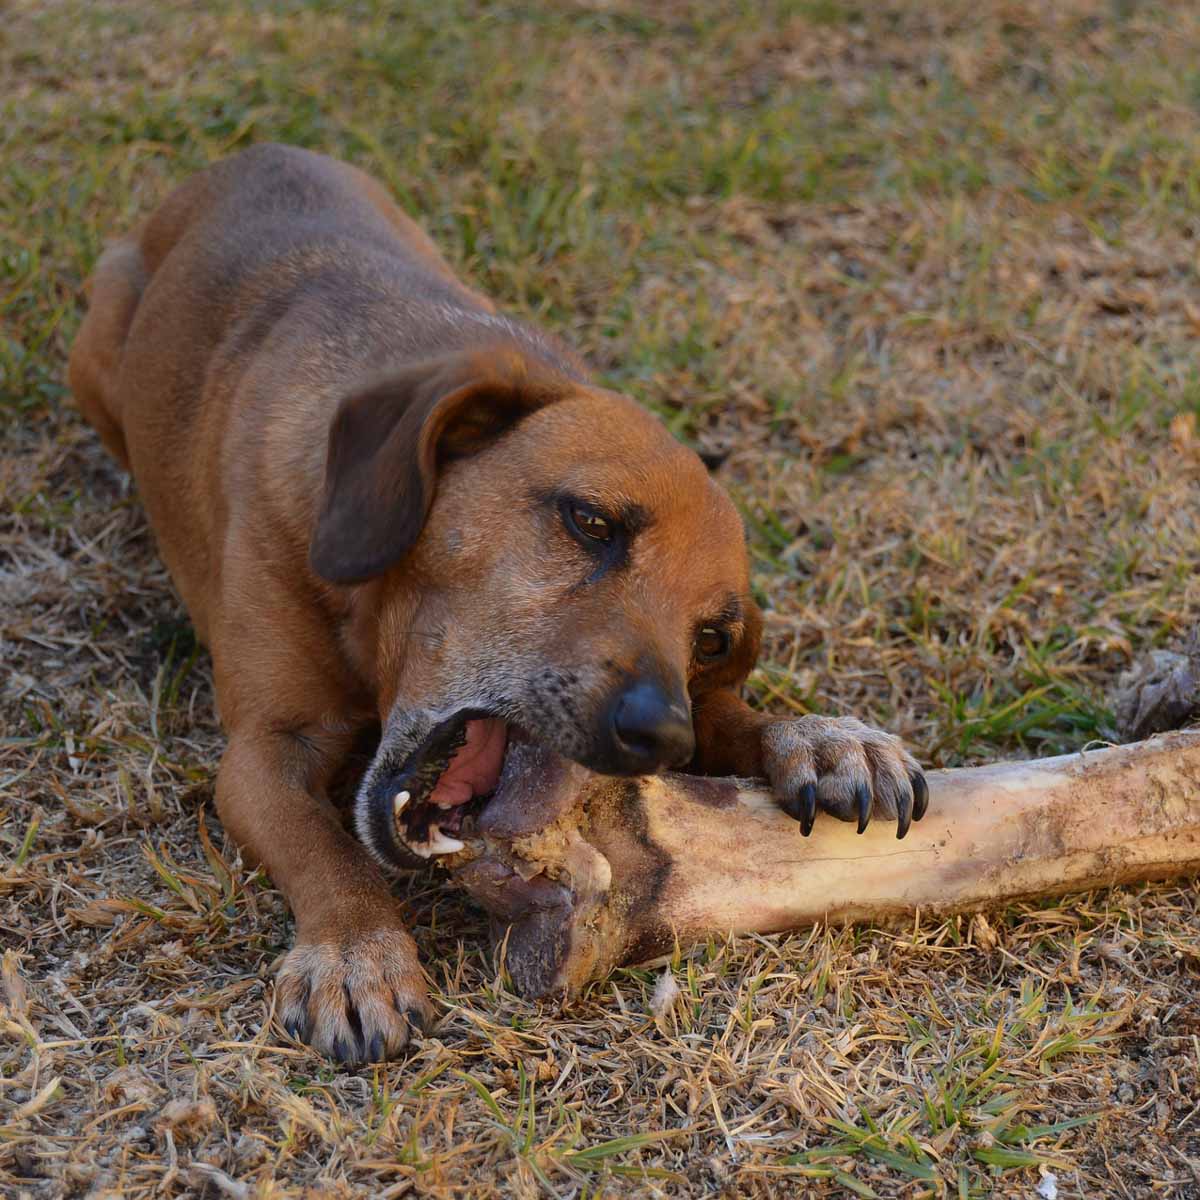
(441,843)
(400,803)
(426,851)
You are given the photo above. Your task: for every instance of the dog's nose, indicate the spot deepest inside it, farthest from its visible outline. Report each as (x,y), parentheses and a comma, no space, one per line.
(651,729)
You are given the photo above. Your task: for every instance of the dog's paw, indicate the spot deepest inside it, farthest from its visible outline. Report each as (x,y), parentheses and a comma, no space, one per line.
(844,767)
(356,1001)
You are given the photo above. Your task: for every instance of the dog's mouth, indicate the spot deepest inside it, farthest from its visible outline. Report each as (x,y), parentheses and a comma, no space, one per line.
(475,776)
(447,780)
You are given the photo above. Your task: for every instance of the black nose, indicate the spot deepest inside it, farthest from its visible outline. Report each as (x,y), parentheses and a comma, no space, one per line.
(651,729)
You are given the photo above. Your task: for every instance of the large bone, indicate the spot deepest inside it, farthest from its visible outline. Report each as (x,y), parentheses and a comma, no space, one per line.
(584,873)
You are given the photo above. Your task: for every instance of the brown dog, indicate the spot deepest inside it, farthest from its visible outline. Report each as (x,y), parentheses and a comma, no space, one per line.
(384,504)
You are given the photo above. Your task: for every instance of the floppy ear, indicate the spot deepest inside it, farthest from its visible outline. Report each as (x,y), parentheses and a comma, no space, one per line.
(387,441)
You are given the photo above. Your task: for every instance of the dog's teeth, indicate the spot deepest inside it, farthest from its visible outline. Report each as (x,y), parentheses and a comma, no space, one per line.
(441,843)
(438,843)
(400,803)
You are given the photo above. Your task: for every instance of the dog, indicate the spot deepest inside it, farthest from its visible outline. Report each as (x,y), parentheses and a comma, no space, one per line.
(389,507)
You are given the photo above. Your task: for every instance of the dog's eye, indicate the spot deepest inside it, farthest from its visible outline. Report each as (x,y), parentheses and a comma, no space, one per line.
(593,525)
(711,643)
(590,524)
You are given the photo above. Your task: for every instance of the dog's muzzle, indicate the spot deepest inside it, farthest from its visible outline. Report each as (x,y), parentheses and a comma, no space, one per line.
(414,812)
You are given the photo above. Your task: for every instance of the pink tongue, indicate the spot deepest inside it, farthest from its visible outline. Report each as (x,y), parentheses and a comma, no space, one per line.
(475,768)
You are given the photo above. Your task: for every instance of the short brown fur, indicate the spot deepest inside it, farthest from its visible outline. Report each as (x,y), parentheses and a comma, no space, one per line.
(350,462)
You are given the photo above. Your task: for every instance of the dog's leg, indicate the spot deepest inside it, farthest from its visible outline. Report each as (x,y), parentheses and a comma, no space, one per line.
(837,764)
(114,292)
(352,986)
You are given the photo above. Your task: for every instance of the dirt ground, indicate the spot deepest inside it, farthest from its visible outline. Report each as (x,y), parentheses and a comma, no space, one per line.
(924,275)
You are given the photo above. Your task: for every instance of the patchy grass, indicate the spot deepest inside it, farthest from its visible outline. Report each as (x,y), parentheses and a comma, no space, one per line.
(926,275)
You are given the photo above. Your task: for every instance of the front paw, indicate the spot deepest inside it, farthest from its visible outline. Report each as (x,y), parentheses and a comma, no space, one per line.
(844,767)
(356,1000)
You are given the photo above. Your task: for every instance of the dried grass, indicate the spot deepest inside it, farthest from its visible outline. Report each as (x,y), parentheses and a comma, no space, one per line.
(927,274)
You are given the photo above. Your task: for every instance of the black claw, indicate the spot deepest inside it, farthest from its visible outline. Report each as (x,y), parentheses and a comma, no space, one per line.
(808,810)
(415,1018)
(344,1051)
(375,1048)
(802,807)
(920,795)
(863,800)
(352,1017)
(298,1027)
(904,816)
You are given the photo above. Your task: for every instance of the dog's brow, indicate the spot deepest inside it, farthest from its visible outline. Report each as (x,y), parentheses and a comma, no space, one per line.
(634,516)
(731,610)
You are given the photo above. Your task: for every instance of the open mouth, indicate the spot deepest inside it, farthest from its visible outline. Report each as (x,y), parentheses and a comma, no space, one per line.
(445,782)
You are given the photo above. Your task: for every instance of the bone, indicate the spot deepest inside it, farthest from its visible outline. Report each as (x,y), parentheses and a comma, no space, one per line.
(623,870)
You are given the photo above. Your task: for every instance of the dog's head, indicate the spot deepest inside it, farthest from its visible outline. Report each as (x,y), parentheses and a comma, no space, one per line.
(552,567)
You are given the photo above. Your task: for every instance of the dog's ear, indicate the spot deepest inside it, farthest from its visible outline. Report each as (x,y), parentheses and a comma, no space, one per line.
(387,441)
